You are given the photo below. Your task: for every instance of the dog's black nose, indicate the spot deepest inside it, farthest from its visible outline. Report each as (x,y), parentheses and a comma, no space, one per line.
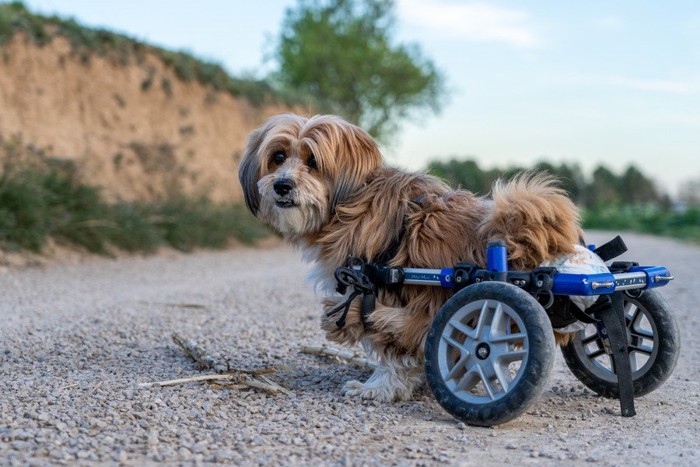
(283,186)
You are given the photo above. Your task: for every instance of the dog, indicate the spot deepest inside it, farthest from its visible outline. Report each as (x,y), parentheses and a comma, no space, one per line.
(322,184)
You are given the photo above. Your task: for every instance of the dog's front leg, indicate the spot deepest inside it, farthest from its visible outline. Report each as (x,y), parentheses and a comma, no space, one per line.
(397,374)
(394,379)
(349,332)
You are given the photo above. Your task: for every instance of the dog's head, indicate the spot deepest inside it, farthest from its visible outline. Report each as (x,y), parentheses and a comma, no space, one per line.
(296,170)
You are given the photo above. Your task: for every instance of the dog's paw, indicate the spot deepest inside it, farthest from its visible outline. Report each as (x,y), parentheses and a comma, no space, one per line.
(388,383)
(372,391)
(352,388)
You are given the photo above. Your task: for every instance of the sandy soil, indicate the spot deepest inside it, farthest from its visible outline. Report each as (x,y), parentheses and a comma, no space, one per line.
(77,339)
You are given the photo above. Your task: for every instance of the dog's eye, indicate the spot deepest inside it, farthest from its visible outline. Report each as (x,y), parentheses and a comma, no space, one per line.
(311,162)
(279,157)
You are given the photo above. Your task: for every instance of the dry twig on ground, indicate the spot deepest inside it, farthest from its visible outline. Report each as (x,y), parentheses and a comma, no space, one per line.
(240,377)
(346,355)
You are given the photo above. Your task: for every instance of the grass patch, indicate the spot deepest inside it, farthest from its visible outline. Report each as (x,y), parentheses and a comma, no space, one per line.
(654,220)
(41,202)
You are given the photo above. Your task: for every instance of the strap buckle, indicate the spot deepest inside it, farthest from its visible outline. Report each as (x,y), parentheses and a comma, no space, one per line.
(353,275)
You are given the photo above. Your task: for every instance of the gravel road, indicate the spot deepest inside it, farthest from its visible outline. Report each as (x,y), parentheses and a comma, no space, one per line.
(77,339)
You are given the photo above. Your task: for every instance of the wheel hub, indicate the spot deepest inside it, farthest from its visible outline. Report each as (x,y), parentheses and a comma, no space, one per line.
(483,351)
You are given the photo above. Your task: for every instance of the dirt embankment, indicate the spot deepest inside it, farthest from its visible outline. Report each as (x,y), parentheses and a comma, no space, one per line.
(134,129)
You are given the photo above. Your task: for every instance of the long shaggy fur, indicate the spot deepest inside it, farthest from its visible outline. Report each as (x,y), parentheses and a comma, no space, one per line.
(345,202)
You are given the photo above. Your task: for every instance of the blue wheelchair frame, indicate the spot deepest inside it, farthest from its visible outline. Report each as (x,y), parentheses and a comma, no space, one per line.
(637,277)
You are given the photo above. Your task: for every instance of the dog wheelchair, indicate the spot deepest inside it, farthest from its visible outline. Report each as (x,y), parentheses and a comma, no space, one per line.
(490,348)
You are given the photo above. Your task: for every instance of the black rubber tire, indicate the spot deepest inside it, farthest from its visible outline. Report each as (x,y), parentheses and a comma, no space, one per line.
(653,373)
(532,375)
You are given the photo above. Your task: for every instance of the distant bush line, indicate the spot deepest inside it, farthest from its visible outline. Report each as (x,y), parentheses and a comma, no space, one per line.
(38,203)
(42,202)
(654,220)
(629,201)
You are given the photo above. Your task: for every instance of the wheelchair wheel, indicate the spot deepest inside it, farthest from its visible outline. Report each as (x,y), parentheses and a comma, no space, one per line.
(489,353)
(654,345)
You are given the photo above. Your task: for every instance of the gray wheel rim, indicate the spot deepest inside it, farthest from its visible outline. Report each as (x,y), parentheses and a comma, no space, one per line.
(642,336)
(483,351)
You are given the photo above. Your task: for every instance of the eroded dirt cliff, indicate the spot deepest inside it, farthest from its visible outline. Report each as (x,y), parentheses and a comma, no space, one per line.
(132,126)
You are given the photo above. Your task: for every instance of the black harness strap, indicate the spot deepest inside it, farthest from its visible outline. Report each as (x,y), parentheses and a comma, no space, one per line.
(611,249)
(581,315)
(610,310)
(373,276)
(387,255)
(365,278)
(367,308)
(347,276)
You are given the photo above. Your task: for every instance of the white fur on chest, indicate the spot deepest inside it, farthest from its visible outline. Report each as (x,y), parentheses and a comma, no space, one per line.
(321,275)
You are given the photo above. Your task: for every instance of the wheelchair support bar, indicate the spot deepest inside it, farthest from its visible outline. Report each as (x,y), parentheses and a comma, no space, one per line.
(437,277)
(639,277)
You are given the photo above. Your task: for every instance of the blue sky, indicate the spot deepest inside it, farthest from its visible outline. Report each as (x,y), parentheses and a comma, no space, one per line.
(609,82)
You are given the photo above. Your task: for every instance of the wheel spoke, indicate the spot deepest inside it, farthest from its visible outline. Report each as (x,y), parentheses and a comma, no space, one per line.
(499,322)
(487,384)
(632,313)
(484,319)
(512,338)
(643,349)
(460,365)
(642,333)
(595,354)
(470,379)
(454,343)
(463,328)
(503,376)
(587,340)
(512,356)
(633,363)
(635,322)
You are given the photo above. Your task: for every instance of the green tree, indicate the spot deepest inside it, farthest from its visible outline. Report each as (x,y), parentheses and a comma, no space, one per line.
(340,53)
(689,192)
(603,189)
(570,177)
(466,174)
(635,188)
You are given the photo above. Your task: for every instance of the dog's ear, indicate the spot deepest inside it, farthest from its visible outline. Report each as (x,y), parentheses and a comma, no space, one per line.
(249,170)
(358,157)
(348,155)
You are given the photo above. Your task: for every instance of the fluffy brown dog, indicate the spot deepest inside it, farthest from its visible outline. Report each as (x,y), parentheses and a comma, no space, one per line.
(322,184)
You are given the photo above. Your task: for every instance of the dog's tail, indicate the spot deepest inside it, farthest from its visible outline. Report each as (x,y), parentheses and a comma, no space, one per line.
(535,217)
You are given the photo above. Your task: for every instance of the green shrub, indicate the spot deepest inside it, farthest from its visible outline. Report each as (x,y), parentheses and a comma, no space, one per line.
(38,203)
(132,229)
(25,213)
(188,223)
(15,17)
(649,219)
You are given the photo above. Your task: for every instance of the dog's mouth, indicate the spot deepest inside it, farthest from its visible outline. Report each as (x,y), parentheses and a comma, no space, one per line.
(285,203)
